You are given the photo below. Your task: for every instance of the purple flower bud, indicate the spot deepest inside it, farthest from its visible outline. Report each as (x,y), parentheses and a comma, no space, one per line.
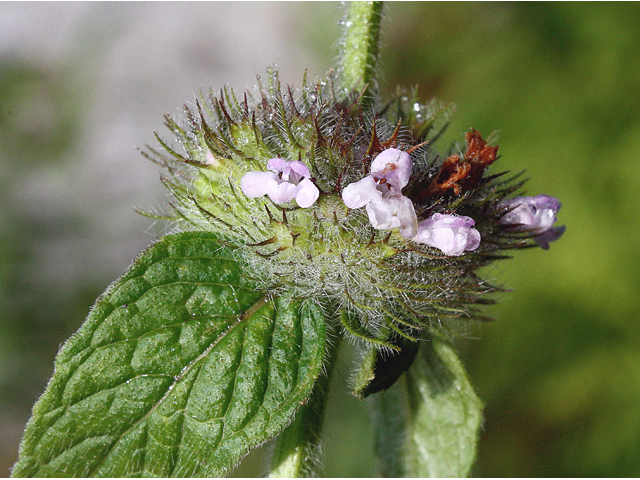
(284,182)
(536,215)
(449,233)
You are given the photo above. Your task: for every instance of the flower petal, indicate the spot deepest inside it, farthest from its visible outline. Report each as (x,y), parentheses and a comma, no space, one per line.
(473,239)
(394,166)
(521,213)
(546,201)
(550,235)
(283,192)
(358,194)
(394,212)
(300,169)
(306,193)
(408,219)
(276,164)
(257,184)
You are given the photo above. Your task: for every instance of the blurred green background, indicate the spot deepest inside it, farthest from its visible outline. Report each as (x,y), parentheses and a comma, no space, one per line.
(83,84)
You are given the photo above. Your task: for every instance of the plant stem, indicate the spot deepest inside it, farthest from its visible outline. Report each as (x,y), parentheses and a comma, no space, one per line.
(360,47)
(297,451)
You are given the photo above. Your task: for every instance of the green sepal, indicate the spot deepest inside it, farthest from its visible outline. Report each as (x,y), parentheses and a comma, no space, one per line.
(179,370)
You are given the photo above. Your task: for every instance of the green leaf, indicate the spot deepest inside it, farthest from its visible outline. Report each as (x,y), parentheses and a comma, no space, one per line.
(427,424)
(179,370)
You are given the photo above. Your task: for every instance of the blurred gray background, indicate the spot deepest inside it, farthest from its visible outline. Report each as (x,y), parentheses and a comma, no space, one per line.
(82,85)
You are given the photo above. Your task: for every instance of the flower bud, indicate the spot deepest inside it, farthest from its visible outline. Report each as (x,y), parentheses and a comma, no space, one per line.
(535,215)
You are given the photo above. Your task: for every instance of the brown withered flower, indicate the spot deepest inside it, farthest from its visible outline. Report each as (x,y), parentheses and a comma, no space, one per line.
(463,174)
(479,155)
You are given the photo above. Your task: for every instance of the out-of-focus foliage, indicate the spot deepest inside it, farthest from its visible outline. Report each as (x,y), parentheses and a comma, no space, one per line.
(559,369)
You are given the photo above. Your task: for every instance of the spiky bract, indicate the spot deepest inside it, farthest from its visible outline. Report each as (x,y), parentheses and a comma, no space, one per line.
(375,281)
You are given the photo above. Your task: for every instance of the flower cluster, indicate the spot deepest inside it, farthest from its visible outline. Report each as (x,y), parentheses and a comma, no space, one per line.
(351,208)
(380,193)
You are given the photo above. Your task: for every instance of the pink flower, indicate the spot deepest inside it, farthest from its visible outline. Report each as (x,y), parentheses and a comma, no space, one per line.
(381,193)
(450,233)
(284,182)
(536,215)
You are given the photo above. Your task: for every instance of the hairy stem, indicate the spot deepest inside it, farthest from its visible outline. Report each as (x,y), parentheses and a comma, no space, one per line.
(360,47)
(297,451)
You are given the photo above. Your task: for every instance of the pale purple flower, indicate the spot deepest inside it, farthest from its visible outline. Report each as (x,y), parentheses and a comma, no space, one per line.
(283,182)
(381,193)
(536,215)
(450,233)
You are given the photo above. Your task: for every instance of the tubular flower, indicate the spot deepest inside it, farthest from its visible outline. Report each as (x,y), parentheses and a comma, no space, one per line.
(381,193)
(536,215)
(283,182)
(450,233)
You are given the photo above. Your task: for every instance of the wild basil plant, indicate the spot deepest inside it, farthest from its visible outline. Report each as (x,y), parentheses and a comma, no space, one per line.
(300,216)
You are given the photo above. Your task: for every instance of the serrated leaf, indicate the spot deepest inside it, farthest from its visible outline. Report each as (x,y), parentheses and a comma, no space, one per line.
(179,370)
(427,424)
